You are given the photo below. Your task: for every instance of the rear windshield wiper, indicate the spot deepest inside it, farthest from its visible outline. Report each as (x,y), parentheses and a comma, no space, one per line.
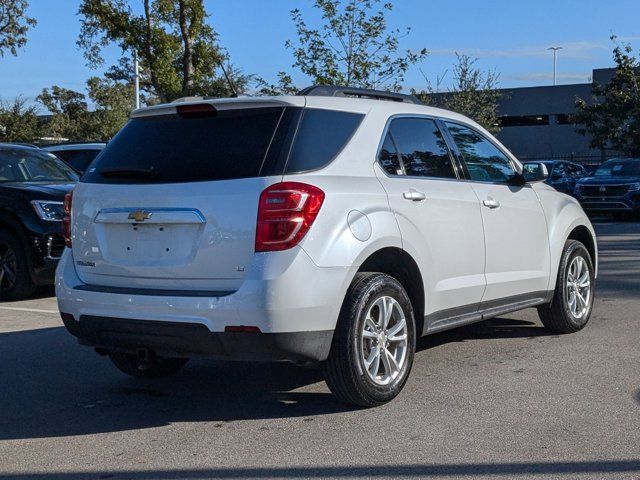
(128,173)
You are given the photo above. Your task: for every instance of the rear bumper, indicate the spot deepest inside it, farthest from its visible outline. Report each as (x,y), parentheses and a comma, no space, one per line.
(293,302)
(179,339)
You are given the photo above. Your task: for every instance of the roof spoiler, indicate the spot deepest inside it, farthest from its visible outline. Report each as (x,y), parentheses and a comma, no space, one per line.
(335,91)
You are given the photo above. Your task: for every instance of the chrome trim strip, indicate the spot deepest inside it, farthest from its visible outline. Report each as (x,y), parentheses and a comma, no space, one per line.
(200,218)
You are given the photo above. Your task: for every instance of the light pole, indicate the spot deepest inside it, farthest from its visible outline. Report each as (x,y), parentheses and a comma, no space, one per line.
(555,59)
(136,71)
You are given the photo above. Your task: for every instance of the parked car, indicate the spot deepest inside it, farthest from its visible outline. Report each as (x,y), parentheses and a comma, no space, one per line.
(563,175)
(318,228)
(33,184)
(614,188)
(78,155)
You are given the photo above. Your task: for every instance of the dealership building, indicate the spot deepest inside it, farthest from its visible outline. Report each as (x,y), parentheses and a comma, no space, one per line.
(536,121)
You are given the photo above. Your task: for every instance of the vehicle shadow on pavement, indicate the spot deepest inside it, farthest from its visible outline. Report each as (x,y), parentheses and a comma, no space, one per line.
(440,470)
(51,386)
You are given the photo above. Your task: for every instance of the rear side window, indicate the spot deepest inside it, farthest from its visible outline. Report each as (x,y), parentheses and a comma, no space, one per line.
(321,136)
(421,148)
(389,158)
(223,145)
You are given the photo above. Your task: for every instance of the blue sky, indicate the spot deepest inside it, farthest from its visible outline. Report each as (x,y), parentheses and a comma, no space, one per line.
(510,36)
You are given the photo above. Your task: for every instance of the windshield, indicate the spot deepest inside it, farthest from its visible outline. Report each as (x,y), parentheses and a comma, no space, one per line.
(619,168)
(27,165)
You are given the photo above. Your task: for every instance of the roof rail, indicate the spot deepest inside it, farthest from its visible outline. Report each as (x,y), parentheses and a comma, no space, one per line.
(335,91)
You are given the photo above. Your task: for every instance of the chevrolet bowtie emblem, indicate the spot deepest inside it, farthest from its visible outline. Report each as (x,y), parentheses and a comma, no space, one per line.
(140,215)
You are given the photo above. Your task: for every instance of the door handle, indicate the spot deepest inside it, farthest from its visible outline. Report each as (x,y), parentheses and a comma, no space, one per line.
(491,203)
(414,195)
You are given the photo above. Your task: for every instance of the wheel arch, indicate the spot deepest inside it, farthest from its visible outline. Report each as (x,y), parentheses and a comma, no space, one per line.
(400,265)
(582,234)
(13,225)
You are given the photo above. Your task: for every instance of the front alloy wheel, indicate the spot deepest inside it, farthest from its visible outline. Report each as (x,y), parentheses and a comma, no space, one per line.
(8,267)
(570,308)
(15,278)
(578,292)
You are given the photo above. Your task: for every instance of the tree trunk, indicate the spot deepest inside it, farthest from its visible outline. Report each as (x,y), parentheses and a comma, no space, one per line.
(148,54)
(187,62)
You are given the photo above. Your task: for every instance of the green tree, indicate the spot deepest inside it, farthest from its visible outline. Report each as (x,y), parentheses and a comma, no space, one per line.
(178,50)
(353,46)
(612,116)
(70,113)
(18,121)
(112,103)
(474,93)
(14,25)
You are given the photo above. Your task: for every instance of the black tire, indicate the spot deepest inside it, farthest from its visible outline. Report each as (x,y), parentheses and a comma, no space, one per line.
(558,316)
(157,368)
(344,370)
(15,278)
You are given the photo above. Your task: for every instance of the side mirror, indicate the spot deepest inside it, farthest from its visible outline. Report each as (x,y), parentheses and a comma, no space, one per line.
(535,172)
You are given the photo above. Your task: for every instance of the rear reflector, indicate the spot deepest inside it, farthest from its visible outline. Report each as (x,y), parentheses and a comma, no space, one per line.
(285,213)
(241,329)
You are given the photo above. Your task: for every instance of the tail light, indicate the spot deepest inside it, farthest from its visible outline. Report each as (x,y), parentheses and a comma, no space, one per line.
(285,213)
(66,220)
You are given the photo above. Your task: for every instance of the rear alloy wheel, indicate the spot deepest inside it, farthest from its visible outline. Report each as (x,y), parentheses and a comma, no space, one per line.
(15,280)
(572,301)
(156,367)
(374,342)
(384,340)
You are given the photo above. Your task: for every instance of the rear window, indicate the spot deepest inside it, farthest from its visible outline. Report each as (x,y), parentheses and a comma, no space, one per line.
(223,145)
(78,159)
(173,149)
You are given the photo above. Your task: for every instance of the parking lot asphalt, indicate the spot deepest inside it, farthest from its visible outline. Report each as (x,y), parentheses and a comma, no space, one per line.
(498,399)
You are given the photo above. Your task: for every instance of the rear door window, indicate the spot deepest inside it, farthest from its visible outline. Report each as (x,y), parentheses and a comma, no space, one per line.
(423,151)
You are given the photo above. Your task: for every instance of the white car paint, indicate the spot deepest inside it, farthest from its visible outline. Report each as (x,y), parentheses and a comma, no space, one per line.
(467,253)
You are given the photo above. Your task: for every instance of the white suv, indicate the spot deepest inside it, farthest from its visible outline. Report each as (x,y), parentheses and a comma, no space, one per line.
(332,228)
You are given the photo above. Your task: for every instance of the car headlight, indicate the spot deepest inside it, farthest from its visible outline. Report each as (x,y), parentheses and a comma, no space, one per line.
(48,210)
(634,186)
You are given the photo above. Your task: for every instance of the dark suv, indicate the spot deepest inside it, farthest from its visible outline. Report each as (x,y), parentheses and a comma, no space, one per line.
(563,175)
(33,184)
(613,188)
